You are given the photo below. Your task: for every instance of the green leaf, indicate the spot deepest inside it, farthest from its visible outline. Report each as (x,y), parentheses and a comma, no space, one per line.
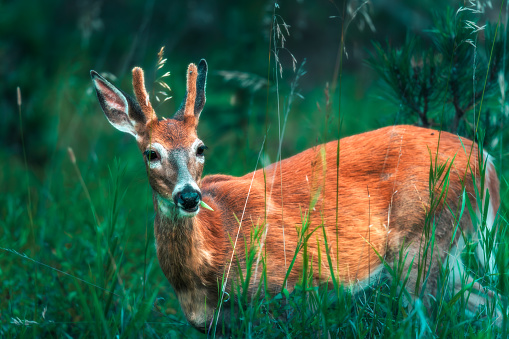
(204,205)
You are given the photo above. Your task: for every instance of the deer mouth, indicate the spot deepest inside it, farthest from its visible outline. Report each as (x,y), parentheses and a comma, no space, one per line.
(169,207)
(188,200)
(188,212)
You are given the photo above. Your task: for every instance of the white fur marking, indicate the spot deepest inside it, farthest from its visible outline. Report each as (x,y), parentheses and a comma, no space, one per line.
(372,278)
(125,126)
(184,177)
(184,214)
(165,206)
(490,219)
(182,182)
(163,153)
(194,148)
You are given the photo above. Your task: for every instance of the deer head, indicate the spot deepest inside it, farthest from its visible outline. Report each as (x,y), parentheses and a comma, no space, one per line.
(173,153)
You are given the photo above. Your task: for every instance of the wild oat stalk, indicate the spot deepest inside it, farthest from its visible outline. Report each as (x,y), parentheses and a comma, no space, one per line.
(24,256)
(29,204)
(163,94)
(72,157)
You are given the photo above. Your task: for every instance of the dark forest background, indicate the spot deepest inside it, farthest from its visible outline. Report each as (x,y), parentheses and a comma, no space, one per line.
(74,217)
(47,49)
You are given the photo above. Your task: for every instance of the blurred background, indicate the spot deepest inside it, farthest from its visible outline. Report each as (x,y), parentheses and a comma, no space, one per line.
(93,219)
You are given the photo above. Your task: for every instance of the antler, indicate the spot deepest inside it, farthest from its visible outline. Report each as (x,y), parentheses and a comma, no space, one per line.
(192,104)
(192,74)
(141,94)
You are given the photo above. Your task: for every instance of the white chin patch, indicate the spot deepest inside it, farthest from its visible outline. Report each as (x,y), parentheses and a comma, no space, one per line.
(165,206)
(184,214)
(168,209)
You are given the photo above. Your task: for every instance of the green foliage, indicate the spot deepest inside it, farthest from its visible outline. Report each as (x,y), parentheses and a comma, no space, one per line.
(386,308)
(76,241)
(440,84)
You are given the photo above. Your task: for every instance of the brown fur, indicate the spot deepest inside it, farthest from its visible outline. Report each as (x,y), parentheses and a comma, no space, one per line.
(141,95)
(393,163)
(192,74)
(377,199)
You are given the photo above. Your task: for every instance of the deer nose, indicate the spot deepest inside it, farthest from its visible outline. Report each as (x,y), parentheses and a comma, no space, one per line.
(188,199)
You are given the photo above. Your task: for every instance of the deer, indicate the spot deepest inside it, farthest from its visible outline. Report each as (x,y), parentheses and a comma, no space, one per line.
(369,202)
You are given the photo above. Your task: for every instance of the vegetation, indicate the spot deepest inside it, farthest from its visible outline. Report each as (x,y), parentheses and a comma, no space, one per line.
(76,239)
(445,85)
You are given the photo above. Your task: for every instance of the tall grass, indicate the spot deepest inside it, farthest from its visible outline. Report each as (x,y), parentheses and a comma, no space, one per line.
(78,262)
(386,307)
(311,306)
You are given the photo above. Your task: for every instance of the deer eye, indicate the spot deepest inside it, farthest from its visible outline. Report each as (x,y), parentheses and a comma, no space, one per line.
(151,155)
(201,149)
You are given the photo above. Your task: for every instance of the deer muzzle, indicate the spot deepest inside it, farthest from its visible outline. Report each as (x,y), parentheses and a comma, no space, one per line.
(188,199)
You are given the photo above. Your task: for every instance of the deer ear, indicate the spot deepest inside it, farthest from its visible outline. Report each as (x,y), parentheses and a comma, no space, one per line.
(120,109)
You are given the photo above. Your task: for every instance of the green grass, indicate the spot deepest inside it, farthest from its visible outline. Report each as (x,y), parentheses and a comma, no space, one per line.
(91,268)
(385,308)
(112,283)
(78,258)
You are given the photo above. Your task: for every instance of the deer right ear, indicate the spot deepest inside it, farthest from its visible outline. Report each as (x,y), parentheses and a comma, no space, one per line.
(120,110)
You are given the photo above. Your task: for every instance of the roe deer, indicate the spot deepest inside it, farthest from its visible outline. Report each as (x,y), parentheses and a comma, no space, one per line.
(380,192)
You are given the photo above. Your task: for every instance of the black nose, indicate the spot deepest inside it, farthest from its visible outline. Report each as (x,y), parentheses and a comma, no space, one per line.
(188,199)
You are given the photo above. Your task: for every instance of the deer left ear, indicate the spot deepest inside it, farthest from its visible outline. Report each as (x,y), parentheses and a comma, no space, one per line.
(194,100)
(120,109)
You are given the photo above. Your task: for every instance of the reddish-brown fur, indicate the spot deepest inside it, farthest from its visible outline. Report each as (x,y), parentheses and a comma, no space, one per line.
(141,94)
(382,193)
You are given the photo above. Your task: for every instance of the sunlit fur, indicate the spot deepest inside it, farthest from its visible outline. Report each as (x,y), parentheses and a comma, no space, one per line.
(141,94)
(381,191)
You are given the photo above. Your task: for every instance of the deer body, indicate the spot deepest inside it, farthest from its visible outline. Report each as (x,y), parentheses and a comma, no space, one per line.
(381,188)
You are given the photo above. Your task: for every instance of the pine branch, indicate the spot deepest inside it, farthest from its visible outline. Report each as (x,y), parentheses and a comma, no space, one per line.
(414,76)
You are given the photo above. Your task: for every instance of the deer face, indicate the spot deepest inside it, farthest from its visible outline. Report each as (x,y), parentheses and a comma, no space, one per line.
(174,158)
(173,154)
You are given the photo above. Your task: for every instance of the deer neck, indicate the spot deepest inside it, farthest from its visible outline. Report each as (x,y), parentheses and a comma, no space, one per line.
(188,253)
(185,246)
